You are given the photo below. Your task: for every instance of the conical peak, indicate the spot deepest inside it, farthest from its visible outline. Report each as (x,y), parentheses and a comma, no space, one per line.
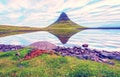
(64,22)
(63,17)
(63,14)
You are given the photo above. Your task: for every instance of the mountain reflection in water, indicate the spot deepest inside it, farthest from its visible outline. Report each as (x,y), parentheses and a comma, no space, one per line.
(107,39)
(64,34)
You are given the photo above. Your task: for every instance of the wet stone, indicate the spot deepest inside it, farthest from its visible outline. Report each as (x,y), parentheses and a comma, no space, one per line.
(85,45)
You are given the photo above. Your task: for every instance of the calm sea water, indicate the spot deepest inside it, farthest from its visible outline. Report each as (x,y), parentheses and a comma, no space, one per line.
(105,39)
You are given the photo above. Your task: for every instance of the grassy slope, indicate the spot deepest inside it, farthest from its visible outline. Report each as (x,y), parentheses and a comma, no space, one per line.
(16,28)
(12,30)
(64,25)
(54,66)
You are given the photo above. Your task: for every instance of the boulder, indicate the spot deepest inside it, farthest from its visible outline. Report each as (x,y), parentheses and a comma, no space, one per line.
(85,45)
(43,45)
(117,57)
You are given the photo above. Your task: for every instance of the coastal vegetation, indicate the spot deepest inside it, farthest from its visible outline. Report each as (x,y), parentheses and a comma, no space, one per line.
(53,65)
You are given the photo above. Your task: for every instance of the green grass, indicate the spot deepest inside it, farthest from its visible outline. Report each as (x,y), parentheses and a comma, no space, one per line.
(6,30)
(11,54)
(16,28)
(53,66)
(64,25)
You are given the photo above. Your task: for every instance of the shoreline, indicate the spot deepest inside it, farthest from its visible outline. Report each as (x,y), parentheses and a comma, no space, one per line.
(81,52)
(102,28)
(92,48)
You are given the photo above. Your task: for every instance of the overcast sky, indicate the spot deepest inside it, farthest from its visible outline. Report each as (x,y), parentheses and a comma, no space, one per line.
(42,13)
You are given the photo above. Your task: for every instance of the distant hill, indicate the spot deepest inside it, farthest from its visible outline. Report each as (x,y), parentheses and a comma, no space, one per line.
(63,22)
(16,28)
(6,30)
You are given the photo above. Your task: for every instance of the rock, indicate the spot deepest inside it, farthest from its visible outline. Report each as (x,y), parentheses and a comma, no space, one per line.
(64,54)
(5,48)
(85,45)
(86,57)
(111,63)
(17,54)
(79,56)
(105,60)
(43,45)
(117,57)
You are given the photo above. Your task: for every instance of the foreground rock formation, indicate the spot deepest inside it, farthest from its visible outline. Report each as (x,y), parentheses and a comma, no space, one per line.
(83,52)
(88,54)
(43,45)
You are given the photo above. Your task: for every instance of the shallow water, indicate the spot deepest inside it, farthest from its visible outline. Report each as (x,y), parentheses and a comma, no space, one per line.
(105,39)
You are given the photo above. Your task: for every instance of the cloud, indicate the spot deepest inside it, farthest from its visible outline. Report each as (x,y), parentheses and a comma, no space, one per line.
(97,13)
(42,13)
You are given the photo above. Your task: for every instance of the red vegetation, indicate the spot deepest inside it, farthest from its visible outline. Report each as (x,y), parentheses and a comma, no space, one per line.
(35,53)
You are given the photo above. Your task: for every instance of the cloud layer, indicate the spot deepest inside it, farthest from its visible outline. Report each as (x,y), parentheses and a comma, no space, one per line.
(41,13)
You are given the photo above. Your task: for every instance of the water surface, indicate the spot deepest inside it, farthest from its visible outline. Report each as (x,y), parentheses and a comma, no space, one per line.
(105,39)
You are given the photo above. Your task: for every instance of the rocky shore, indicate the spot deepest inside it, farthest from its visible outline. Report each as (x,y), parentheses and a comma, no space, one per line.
(82,52)
(88,54)
(5,48)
